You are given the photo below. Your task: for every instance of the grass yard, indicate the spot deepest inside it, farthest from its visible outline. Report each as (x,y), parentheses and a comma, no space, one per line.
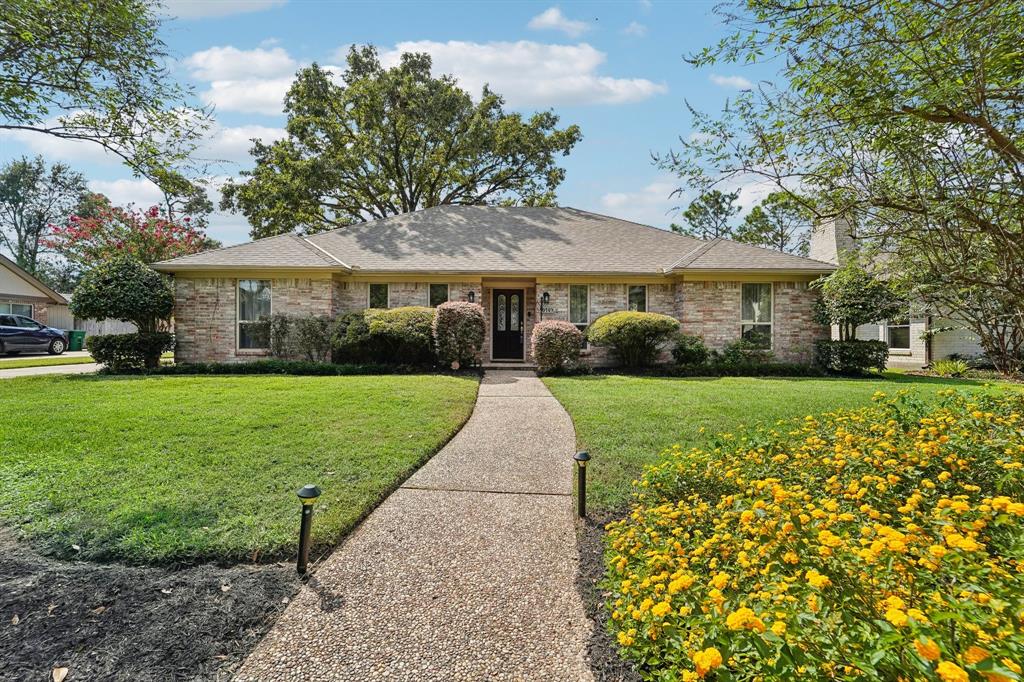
(181,469)
(625,422)
(44,361)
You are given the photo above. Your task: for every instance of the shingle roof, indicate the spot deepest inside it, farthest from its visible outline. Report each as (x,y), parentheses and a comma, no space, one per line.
(492,239)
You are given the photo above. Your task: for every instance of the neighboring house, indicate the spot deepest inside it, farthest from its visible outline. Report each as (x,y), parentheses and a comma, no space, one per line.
(914,341)
(521,264)
(23,294)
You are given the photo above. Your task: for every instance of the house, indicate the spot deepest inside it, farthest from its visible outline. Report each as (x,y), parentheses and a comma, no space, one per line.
(23,294)
(521,264)
(914,341)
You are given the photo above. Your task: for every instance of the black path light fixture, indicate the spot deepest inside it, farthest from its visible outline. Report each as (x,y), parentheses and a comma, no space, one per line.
(308,495)
(581,459)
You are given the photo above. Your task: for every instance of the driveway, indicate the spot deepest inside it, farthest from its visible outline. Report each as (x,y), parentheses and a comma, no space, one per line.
(466,572)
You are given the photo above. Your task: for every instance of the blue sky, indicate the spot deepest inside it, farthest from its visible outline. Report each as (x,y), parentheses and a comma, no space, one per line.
(615,69)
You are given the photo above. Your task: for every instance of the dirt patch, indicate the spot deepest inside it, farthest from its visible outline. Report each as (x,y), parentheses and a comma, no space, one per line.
(114,622)
(602,650)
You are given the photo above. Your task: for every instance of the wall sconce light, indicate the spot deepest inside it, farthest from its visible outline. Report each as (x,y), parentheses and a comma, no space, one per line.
(472,296)
(546,298)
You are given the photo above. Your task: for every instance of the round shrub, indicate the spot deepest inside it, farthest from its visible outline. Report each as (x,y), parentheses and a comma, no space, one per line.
(690,350)
(458,333)
(634,338)
(852,356)
(350,336)
(556,345)
(124,289)
(401,335)
(127,352)
(883,543)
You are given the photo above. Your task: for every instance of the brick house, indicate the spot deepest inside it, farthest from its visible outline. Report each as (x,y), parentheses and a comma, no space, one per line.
(522,265)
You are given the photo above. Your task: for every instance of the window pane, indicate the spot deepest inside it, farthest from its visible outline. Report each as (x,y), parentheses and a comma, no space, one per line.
(500,313)
(578,313)
(638,298)
(438,294)
(5,308)
(378,295)
(253,335)
(899,337)
(758,334)
(253,299)
(21,309)
(514,313)
(757,303)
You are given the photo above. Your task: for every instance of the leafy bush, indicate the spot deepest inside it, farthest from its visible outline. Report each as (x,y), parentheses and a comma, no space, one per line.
(690,350)
(951,368)
(401,335)
(311,337)
(280,331)
(851,357)
(743,352)
(127,290)
(128,352)
(881,543)
(458,333)
(293,367)
(350,336)
(556,345)
(634,337)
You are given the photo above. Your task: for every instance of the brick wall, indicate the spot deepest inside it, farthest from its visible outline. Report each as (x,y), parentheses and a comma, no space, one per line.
(205,314)
(794,328)
(711,310)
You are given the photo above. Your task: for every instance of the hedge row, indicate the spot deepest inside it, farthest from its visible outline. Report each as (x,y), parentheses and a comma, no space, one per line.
(292,367)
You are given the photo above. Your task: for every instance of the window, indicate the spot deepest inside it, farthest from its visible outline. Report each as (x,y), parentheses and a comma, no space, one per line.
(756,314)
(16,309)
(501,312)
(513,313)
(579,305)
(253,312)
(897,333)
(637,298)
(379,296)
(438,294)
(26,322)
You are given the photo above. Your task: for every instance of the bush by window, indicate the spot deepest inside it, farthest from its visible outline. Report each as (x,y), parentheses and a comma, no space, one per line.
(690,350)
(851,357)
(633,337)
(458,333)
(401,335)
(744,352)
(556,345)
(128,352)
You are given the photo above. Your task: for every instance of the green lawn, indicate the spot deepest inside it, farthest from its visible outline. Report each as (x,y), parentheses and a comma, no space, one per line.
(162,469)
(44,361)
(625,422)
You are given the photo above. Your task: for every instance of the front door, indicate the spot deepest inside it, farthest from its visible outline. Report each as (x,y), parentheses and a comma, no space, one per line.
(507,324)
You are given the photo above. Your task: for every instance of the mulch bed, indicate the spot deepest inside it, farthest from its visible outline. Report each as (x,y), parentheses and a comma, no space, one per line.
(602,650)
(115,622)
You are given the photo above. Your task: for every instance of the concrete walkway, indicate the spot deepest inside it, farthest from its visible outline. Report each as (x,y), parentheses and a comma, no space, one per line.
(48,369)
(466,572)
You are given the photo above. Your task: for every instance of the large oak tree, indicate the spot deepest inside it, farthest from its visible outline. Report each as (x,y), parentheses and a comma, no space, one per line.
(382,141)
(905,116)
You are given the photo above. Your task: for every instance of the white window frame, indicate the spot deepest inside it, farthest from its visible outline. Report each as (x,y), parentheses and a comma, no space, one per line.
(583,326)
(771,324)
(447,292)
(628,287)
(387,285)
(238,314)
(10,309)
(885,330)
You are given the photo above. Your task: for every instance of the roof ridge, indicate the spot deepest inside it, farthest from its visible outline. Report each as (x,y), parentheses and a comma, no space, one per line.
(774,251)
(226,248)
(694,254)
(621,220)
(321,252)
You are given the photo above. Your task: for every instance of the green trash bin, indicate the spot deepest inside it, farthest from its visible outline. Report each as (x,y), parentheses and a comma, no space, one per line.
(76,339)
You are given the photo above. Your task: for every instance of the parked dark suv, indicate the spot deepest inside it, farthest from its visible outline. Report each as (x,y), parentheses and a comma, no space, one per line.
(23,334)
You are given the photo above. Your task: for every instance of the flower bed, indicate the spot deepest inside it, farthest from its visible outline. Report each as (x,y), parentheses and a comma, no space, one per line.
(881,543)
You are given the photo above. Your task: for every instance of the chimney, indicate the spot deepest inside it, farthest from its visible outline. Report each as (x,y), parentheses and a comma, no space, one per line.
(831,239)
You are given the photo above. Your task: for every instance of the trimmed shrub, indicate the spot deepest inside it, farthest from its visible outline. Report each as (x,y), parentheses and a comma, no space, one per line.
(883,543)
(743,352)
(311,338)
(280,330)
(128,352)
(350,336)
(401,335)
(851,357)
(458,331)
(633,337)
(556,345)
(124,289)
(690,350)
(292,367)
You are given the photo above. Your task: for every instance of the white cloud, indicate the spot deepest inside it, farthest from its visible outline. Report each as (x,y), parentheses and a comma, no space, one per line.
(250,81)
(553,19)
(650,205)
(528,73)
(645,6)
(737,82)
(232,144)
(199,9)
(635,29)
(57,149)
(140,192)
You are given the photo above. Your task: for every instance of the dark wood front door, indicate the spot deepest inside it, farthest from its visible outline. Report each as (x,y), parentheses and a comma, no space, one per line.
(507,324)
